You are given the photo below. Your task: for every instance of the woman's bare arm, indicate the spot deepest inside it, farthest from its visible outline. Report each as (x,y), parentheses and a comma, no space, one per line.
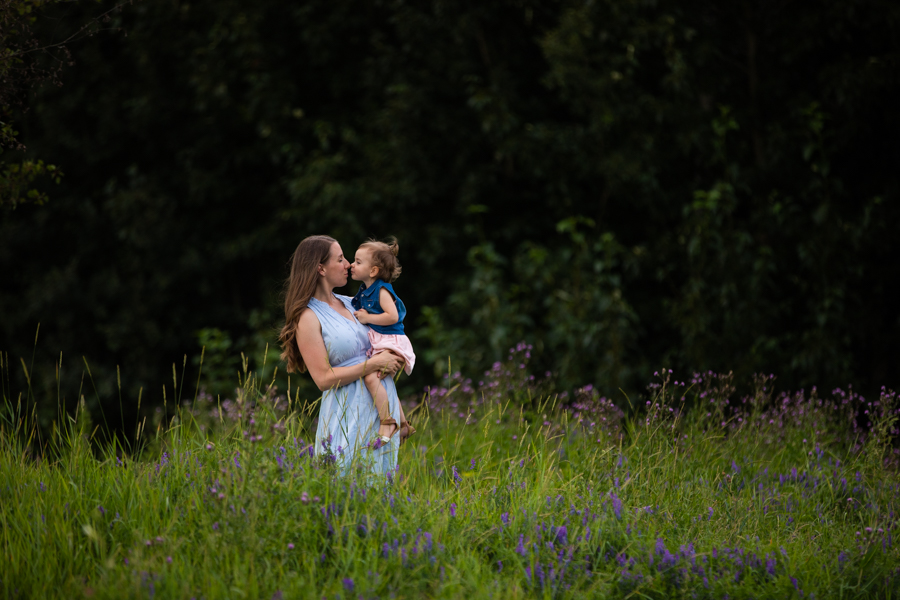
(315,356)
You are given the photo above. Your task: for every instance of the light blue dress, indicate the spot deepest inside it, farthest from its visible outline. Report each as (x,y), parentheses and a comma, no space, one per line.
(347,415)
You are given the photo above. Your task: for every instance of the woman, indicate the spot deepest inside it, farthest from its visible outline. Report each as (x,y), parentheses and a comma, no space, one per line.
(322,336)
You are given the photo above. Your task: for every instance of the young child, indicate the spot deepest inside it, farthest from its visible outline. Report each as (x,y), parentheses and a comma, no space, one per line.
(378,306)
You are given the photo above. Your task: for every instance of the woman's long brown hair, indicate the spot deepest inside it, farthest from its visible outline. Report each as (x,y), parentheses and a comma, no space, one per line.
(299,288)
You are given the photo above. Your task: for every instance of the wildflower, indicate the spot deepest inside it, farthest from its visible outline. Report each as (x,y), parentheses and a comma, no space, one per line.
(169,559)
(304,498)
(348,584)
(290,546)
(562,535)
(617,505)
(770,566)
(452,509)
(504,518)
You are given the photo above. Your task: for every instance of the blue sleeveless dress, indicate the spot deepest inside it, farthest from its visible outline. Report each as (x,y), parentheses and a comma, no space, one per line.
(347,415)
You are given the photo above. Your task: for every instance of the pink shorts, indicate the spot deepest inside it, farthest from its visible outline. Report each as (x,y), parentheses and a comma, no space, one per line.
(398,344)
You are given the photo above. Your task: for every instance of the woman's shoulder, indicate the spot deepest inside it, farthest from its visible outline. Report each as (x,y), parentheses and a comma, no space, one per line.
(308,318)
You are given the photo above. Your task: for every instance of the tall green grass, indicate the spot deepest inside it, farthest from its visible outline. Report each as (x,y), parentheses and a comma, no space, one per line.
(519,497)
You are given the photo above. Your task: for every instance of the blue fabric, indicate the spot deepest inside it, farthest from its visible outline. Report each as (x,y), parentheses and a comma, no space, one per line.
(367,298)
(348,420)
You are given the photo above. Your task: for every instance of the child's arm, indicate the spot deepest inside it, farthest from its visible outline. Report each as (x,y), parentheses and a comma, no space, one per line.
(389,317)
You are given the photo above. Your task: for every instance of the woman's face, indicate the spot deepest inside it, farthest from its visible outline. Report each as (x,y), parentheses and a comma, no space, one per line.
(334,269)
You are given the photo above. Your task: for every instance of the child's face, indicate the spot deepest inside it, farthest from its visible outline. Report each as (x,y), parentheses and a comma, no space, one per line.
(361,268)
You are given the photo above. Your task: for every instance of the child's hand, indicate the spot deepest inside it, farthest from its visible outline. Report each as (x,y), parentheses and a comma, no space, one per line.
(362,315)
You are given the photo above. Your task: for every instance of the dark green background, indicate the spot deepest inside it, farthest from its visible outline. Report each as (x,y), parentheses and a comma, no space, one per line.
(626,185)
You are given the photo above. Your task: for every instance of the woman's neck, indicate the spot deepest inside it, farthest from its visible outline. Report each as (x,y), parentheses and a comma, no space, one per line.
(323,293)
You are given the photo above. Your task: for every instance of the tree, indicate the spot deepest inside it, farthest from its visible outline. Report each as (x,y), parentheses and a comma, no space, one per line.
(627,185)
(26,63)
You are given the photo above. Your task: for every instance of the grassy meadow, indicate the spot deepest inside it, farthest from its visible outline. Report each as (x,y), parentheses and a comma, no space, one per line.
(508,490)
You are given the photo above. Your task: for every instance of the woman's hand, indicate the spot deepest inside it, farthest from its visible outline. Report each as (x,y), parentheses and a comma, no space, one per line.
(385,363)
(315,356)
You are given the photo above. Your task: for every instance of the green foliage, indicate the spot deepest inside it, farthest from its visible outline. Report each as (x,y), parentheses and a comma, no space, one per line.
(217,359)
(18,71)
(15,180)
(627,184)
(510,502)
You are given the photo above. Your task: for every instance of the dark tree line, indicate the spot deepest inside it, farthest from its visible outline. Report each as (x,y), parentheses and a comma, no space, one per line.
(626,185)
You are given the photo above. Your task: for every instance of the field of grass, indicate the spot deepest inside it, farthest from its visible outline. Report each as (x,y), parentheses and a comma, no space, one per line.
(507,490)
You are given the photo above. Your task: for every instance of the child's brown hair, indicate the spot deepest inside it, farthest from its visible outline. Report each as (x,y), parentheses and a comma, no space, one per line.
(384,256)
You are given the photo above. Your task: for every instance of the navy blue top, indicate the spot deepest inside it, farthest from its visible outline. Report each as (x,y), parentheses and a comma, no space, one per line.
(367,298)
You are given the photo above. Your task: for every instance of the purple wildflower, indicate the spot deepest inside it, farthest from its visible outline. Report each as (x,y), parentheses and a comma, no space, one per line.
(562,535)
(617,505)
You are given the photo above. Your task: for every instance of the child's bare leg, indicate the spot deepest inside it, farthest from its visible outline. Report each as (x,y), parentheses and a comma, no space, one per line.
(382,405)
